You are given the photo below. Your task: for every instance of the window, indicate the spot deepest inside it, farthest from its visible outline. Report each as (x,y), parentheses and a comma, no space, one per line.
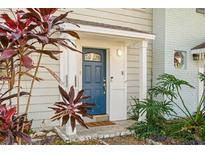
(179,59)
(92,57)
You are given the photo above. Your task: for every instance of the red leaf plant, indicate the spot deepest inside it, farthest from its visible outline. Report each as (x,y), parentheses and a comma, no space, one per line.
(20,35)
(9,120)
(8,125)
(25,33)
(72,108)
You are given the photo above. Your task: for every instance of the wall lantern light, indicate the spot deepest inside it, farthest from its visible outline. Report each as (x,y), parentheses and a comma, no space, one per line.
(119,52)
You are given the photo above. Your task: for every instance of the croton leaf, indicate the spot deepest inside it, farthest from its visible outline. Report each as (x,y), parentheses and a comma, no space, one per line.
(3,108)
(24,136)
(9,22)
(4,41)
(27,61)
(59,18)
(72,33)
(10,113)
(7,53)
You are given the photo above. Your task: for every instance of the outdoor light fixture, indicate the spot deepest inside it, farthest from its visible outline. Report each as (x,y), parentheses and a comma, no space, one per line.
(119,52)
(195,57)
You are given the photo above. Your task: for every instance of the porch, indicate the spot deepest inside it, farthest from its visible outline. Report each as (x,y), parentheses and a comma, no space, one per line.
(118,128)
(125,67)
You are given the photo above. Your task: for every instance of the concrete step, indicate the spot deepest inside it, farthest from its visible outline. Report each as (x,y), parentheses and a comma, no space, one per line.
(100,118)
(97,118)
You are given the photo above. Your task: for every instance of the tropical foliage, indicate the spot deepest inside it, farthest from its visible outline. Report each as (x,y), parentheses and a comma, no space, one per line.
(154,112)
(72,108)
(8,126)
(191,126)
(24,33)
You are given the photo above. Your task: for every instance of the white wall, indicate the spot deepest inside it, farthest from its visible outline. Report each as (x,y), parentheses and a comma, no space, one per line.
(179,29)
(158,43)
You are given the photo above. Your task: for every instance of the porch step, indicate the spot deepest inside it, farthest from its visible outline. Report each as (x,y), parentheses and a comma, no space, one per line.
(97,118)
(100,118)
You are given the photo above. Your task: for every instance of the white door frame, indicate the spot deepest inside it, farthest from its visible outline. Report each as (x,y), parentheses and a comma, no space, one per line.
(101,45)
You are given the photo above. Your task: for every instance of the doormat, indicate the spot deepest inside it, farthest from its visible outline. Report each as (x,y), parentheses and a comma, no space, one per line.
(96,124)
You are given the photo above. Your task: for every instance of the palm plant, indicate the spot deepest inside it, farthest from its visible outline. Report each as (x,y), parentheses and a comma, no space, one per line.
(72,108)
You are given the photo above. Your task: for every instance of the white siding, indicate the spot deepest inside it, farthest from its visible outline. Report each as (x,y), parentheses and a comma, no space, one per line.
(184,29)
(137,18)
(159,42)
(133,74)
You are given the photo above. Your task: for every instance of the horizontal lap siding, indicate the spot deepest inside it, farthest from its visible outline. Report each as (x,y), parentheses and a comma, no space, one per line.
(46,92)
(133,72)
(137,19)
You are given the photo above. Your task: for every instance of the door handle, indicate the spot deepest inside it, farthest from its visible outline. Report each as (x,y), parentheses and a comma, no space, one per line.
(104,86)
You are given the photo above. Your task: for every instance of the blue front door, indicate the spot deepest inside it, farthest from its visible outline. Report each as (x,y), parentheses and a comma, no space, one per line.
(94,78)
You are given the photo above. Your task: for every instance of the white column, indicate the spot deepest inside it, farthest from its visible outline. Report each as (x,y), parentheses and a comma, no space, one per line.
(68,64)
(143,69)
(68,71)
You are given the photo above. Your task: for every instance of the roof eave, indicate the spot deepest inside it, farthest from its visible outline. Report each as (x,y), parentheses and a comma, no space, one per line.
(198,51)
(109,31)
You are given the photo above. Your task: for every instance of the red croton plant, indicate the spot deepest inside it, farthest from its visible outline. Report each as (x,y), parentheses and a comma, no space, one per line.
(23,33)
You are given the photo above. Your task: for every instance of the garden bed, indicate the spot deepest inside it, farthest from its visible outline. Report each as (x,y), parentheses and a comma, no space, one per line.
(122,140)
(51,138)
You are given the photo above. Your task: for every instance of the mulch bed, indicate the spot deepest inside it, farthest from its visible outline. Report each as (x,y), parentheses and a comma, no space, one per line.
(125,140)
(120,140)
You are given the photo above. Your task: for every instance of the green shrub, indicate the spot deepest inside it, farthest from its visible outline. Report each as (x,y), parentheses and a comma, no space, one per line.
(154,111)
(190,127)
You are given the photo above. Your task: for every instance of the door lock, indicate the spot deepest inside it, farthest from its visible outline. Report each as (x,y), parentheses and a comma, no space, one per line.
(104,86)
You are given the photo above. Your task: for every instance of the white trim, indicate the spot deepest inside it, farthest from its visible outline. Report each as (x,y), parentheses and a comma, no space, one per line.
(65,70)
(143,69)
(125,76)
(196,51)
(65,61)
(107,81)
(109,31)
